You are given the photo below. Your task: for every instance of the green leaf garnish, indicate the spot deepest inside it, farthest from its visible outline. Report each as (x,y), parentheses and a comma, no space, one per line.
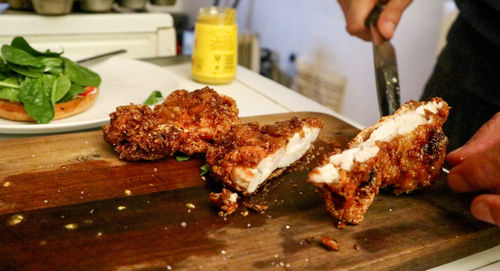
(26,71)
(205,169)
(74,90)
(35,94)
(60,87)
(181,158)
(10,82)
(20,57)
(154,98)
(9,94)
(81,75)
(21,43)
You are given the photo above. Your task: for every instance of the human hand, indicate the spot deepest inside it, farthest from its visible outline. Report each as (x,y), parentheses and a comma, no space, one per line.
(356,11)
(476,166)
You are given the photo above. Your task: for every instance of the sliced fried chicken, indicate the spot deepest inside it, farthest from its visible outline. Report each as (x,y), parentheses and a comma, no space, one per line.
(249,154)
(202,114)
(186,121)
(138,133)
(404,151)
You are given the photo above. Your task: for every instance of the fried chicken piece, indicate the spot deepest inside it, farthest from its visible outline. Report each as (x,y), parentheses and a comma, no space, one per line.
(136,132)
(404,151)
(185,121)
(248,154)
(202,114)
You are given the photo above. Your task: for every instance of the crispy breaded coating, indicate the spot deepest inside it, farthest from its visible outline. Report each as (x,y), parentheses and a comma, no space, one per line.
(404,151)
(202,114)
(290,127)
(138,133)
(248,154)
(242,146)
(186,121)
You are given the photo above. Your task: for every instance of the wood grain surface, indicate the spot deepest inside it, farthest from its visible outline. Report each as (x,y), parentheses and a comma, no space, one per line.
(68,203)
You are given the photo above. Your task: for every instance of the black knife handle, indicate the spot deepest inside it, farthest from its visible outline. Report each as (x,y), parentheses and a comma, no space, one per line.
(374,15)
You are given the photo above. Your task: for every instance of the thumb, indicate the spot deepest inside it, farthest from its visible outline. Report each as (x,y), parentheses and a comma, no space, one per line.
(487,208)
(390,16)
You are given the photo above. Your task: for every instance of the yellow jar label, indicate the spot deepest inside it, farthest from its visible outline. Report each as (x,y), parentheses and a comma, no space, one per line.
(215,53)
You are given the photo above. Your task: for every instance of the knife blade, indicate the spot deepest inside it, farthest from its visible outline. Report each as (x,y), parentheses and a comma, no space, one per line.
(386,67)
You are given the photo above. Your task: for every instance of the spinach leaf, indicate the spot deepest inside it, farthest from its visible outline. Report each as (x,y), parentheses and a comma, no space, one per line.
(11,94)
(10,82)
(75,89)
(21,43)
(3,66)
(35,94)
(56,71)
(205,169)
(4,70)
(20,57)
(53,65)
(27,71)
(60,88)
(181,158)
(154,98)
(81,75)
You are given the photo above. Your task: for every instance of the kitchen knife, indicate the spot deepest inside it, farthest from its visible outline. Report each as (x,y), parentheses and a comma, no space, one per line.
(386,67)
(108,54)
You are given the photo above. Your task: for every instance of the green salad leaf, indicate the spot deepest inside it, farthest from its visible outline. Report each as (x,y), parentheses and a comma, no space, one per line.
(39,80)
(74,90)
(53,65)
(4,70)
(20,57)
(10,94)
(205,169)
(61,86)
(154,98)
(181,158)
(21,43)
(35,94)
(81,75)
(10,82)
(27,71)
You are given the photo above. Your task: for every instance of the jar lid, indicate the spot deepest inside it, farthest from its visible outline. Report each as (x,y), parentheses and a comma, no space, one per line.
(216,15)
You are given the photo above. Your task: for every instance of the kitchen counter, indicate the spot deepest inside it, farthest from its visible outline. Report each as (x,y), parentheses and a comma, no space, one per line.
(256,95)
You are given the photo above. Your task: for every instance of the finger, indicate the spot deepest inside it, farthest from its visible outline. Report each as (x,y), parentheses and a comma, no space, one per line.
(479,171)
(484,138)
(487,208)
(390,16)
(355,12)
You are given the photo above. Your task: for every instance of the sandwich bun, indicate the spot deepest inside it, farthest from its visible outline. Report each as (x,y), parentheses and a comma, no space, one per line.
(15,111)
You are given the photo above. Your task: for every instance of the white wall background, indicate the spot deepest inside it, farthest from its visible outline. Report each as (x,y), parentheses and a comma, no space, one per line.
(315,30)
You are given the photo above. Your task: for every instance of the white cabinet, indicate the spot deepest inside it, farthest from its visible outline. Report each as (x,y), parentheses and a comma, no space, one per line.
(83,35)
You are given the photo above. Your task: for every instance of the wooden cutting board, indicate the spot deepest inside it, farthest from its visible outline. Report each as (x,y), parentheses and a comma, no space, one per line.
(68,203)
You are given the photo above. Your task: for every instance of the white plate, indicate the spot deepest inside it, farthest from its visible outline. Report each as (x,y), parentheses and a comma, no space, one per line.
(124,81)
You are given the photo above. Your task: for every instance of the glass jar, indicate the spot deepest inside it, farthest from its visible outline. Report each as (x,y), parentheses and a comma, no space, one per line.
(215,51)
